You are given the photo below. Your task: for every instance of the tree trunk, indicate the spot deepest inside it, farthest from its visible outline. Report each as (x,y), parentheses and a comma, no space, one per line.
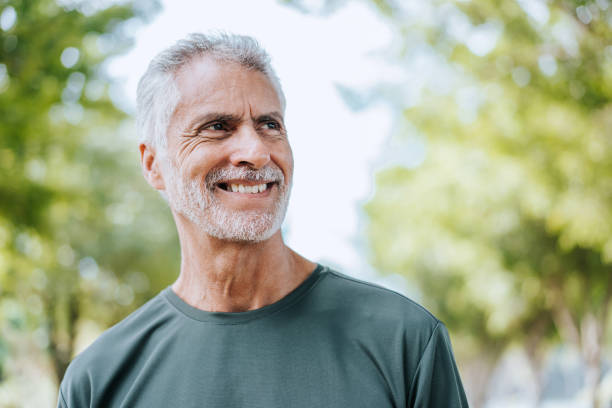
(62,333)
(535,356)
(591,339)
(588,338)
(477,375)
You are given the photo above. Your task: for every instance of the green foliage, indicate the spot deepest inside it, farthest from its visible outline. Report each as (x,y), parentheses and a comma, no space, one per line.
(507,225)
(82,237)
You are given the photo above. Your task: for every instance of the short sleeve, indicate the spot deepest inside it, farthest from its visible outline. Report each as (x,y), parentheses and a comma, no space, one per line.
(61,403)
(75,388)
(436,382)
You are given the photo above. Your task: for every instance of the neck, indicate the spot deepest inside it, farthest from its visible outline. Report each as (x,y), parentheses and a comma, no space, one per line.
(223,276)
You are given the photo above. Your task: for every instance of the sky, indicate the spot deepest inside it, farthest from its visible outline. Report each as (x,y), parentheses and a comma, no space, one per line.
(335,148)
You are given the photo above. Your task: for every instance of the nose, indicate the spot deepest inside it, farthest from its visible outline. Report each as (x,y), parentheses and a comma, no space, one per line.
(249,149)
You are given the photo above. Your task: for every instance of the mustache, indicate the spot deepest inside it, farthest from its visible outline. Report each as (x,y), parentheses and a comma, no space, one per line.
(267,174)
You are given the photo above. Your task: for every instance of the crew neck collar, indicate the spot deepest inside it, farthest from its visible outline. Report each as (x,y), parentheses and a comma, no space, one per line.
(242,317)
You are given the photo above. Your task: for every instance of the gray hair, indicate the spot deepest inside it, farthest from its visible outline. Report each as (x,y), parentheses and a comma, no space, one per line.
(158,95)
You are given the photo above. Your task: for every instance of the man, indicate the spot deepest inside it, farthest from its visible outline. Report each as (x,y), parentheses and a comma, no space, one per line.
(249,322)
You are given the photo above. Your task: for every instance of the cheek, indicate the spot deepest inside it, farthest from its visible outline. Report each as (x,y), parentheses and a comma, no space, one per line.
(285,160)
(197,164)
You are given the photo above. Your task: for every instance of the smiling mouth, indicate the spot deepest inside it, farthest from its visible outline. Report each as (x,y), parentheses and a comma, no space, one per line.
(243,188)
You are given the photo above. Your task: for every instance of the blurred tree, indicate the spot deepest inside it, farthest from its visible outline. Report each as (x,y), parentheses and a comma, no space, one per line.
(507,225)
(81,235)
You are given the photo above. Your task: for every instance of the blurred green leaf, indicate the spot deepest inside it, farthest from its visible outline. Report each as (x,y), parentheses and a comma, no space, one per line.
(82,237)
(506,228)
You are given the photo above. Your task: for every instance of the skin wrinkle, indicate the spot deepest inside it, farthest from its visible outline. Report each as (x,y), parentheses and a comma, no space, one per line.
(187,147)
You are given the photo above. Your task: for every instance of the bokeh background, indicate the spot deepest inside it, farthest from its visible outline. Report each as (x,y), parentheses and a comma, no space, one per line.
(458,152)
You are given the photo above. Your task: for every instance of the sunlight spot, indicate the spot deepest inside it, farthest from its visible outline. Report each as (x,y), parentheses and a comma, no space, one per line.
(547,64)
(69,57)
(8,18)
(521,76)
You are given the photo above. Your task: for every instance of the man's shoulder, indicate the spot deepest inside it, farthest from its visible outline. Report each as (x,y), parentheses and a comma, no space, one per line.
(376,303)
(101,357)
(135,324)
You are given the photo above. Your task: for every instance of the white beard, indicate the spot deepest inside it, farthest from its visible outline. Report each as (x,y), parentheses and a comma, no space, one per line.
(196,201)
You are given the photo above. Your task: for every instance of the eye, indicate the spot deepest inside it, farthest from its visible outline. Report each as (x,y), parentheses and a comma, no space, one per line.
(272,125)
(215,126)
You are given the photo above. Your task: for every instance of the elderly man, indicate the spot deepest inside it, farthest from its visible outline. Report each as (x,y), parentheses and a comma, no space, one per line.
(249,322)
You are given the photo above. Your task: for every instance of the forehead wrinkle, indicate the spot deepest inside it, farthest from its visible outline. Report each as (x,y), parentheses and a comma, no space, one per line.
(209,85)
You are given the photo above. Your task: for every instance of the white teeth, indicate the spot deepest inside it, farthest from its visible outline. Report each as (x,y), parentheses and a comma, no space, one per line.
(241,188)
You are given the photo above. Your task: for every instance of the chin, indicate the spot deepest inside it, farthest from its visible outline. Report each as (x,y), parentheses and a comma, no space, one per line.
(244,236)
(246,228)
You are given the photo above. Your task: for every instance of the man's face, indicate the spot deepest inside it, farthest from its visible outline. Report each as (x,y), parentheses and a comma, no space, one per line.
(229,165)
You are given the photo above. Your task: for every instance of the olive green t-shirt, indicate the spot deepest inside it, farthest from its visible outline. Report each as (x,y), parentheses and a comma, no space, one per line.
(334,341)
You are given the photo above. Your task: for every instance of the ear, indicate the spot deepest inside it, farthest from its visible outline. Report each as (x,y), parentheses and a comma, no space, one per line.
(151,166)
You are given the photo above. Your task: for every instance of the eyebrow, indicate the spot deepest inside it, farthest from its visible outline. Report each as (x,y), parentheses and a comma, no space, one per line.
(213,117)
(271,115)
